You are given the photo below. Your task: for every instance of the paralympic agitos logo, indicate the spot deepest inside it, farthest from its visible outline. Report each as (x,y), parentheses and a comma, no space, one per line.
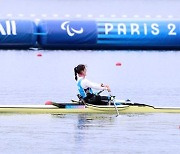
(70,30)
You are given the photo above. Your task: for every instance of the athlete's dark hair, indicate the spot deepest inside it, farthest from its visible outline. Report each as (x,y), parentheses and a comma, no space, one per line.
(78,69)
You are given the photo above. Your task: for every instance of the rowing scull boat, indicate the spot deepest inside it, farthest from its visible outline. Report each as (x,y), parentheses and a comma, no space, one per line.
(69,108)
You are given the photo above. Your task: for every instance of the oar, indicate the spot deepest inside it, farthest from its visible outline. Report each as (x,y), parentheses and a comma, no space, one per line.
(113,101)
(100,92)
(114,105)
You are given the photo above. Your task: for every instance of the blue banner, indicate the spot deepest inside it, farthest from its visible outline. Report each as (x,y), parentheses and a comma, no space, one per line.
(102,34)
(75,34)
(139,33)
(17,34)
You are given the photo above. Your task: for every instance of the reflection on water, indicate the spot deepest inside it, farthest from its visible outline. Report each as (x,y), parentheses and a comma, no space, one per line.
(86,133)
(126,133)
(86,121)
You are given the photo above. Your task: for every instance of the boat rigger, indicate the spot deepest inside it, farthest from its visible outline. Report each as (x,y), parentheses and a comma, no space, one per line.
(123,107)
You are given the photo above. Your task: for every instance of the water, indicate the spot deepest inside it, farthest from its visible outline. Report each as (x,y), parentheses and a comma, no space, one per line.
(146,77)
(156,133)
(89,9)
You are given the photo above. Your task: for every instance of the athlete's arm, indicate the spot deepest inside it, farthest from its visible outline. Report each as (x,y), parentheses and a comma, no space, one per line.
(86,83)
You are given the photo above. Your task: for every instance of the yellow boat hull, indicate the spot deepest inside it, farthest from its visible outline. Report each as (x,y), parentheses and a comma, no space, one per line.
(50,109)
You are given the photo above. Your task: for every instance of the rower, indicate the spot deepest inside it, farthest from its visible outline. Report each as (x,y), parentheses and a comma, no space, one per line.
(85,87)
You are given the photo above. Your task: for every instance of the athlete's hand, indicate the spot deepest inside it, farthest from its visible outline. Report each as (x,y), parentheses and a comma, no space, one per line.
(108,88)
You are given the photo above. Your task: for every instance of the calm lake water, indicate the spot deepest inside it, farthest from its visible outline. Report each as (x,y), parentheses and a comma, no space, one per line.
(90,9)
(151,77)
(147,77)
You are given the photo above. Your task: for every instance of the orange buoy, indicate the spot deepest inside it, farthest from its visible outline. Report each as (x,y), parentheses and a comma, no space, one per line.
(39,54)
(118,64)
